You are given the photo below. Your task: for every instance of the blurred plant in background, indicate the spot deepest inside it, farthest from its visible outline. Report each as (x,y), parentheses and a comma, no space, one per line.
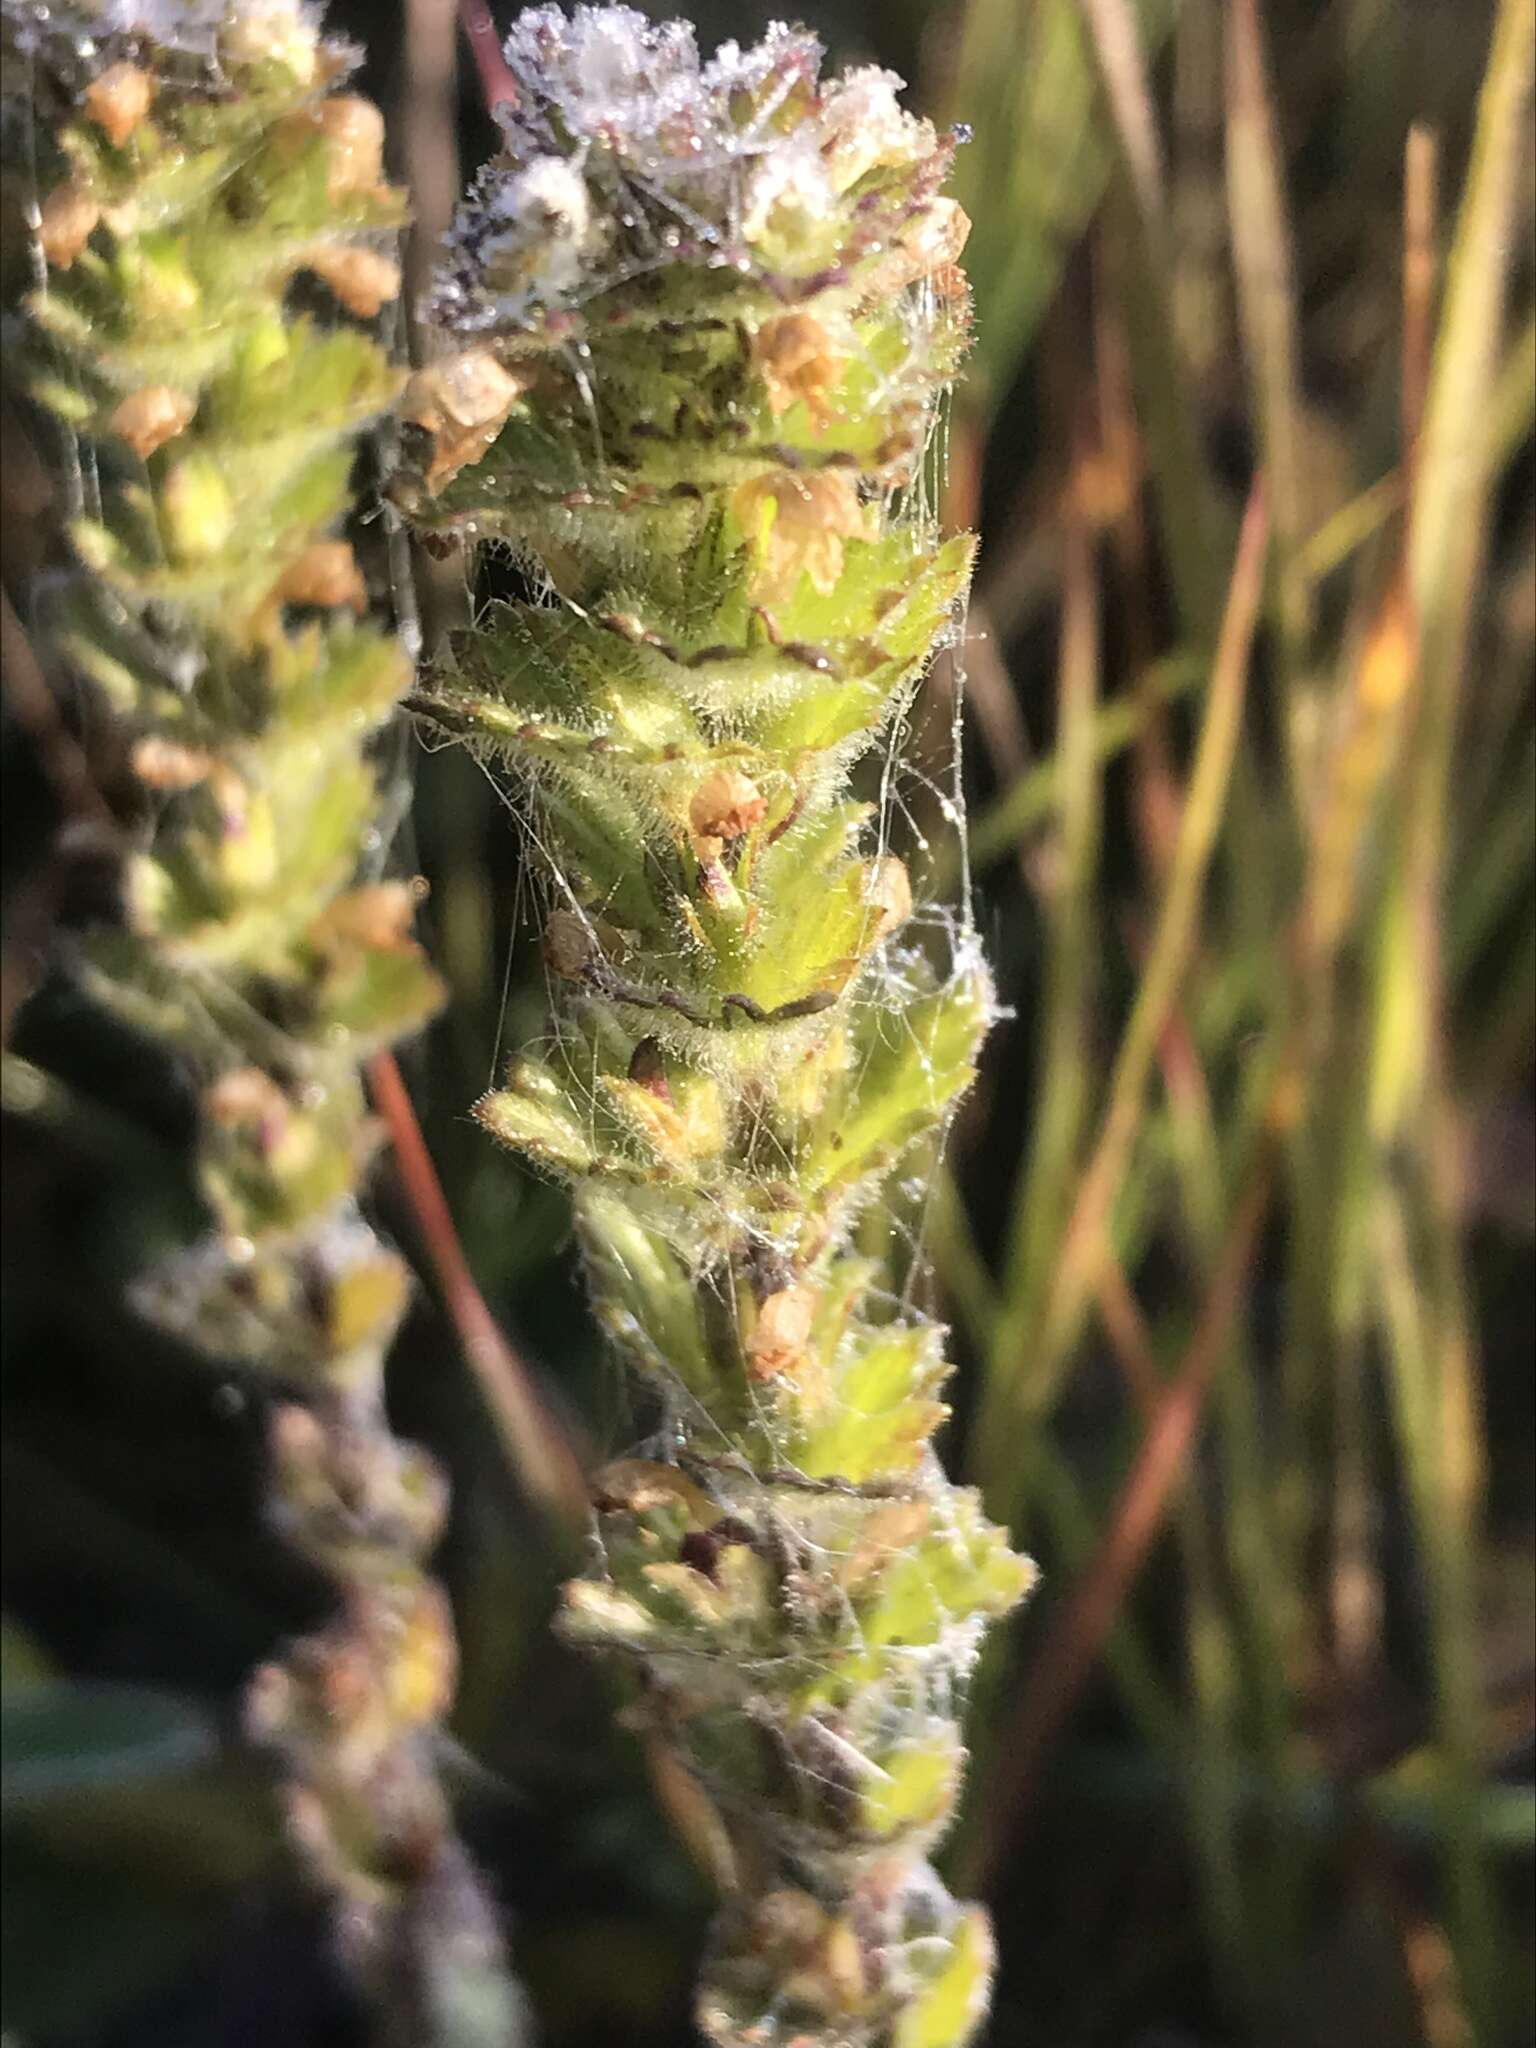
(1248,1171)
(173,183)
(1236,1231)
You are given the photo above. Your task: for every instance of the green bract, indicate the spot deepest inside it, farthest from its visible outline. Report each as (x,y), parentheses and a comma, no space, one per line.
(696,322)
(177,180)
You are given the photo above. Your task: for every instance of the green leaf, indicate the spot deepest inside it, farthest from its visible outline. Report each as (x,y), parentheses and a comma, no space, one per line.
(111,1888)
(535,1116)
(22,1659)
(907,1065)
(950,2006)
(647,1298)
(61,1737)
(881,1412)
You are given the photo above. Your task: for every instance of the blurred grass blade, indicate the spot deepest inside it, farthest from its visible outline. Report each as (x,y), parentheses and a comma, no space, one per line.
(1117,39)
(1351,527)
(1189,511)
(1514,396)
(1265,265)
(1026,1366)
(1455,466)
(67,1738)
(1428,1383)
(1060,1100)
(1455,459)
(1079,1629)
(1421,277)
(1035,797)
(538,1449)
(1422,1287)
(1035,169)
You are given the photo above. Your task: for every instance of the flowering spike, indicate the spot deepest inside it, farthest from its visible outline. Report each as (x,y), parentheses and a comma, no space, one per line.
(193,163)
(713,310)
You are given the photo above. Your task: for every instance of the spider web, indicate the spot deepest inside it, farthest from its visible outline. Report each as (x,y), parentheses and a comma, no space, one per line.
(912,776)
(919,815)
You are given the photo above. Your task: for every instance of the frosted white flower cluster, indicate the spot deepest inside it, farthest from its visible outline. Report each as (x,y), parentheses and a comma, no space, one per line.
(240,31)
(624,152)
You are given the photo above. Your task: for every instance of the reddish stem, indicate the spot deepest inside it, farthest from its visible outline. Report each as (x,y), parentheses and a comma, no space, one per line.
(496,80)
(548,1465)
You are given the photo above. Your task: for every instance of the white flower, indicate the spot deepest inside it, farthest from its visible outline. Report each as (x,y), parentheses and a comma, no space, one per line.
(863,125)
(789,179)
(545,239)
(272,31)
(601,67)
(246,31)
(549,195)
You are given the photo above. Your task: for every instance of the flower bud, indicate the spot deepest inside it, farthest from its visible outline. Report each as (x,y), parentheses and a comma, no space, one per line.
(147,419)
(463,404)
(197,513)
(68,218)
(782,1331)
(725,805)
(888,892)
(354,129)
(362,280)
(797,360)
(118,101)
(325,574)
(570,944)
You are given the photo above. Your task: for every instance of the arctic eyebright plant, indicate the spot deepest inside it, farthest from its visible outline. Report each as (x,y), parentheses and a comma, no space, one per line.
(695,325)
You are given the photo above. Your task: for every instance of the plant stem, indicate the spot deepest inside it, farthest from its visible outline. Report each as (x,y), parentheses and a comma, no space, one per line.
(539,1450)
